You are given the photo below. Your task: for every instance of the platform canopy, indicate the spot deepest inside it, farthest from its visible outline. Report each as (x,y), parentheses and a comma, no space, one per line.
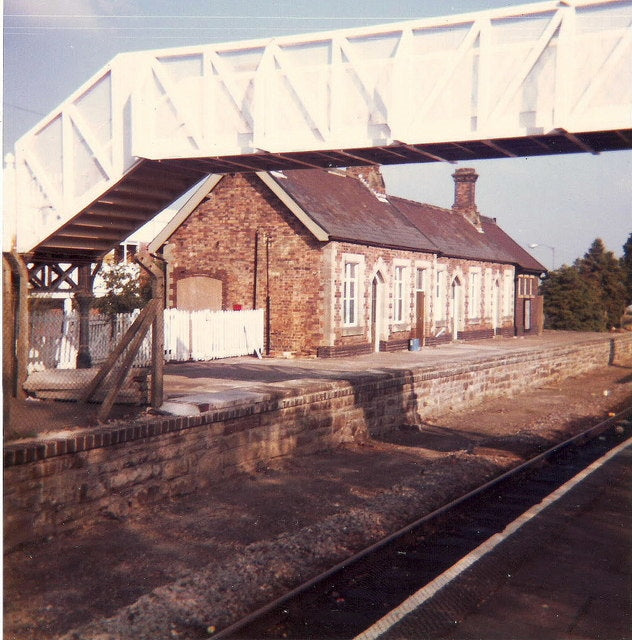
(543,78)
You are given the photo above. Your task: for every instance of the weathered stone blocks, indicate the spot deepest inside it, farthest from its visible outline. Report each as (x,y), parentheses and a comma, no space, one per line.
(64,482)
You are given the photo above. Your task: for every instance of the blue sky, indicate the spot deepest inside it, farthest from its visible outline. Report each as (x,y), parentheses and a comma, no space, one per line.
(52,46)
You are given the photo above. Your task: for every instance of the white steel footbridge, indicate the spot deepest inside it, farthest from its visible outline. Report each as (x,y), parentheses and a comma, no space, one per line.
(544,78)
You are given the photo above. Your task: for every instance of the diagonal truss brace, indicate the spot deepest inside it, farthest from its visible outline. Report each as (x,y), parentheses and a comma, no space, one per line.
(54,276)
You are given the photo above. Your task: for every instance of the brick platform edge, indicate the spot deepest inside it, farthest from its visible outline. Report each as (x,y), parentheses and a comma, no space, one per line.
(57,484)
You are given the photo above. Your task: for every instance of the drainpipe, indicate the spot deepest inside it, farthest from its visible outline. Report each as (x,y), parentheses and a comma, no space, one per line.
(267,312)
(260,239)
(515,309)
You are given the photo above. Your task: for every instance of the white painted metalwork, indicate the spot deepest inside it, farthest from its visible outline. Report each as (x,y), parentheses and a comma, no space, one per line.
(512,73)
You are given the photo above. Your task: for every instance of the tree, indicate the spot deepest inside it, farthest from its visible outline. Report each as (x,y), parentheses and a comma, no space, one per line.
(626,266)
(602,269)
(572,302)
(126,289)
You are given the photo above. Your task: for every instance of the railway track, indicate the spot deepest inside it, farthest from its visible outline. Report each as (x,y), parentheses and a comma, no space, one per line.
(351,596)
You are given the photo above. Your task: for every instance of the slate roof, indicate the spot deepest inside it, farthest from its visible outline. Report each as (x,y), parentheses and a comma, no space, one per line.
(347,210)
(458,238)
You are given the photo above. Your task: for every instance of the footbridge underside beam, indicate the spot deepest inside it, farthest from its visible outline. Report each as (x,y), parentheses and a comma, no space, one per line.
(154,184)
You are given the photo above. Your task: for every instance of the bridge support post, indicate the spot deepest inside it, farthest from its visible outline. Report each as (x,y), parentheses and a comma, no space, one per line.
(8,339)
(83,296)
(12,388)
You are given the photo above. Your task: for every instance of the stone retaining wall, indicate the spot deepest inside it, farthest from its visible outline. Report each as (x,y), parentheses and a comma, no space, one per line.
(57,484)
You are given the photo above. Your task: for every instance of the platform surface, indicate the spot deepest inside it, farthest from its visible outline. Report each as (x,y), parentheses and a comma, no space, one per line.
(568,574)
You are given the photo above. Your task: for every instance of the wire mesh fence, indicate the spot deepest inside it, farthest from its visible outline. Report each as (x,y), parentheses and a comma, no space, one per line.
(54,339)
(55,384)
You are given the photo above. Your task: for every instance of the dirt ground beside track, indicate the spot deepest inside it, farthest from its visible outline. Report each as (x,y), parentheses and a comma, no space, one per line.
(75,579)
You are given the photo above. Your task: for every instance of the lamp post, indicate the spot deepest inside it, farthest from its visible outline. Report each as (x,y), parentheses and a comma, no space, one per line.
(548,246)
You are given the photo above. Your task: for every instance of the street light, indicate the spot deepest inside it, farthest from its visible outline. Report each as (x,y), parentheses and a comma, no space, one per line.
(548,246)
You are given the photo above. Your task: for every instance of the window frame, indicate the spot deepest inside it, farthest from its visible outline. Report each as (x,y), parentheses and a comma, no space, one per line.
(352,290)
(509,291)
(527,314)
(440,294)
(423,270)
(350,306)
(488,294)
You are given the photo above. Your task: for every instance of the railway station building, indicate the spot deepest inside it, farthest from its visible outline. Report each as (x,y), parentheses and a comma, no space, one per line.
(342,268)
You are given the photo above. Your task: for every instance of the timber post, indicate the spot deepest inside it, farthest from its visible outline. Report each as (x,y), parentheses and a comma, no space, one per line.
(114,371)
(9,367)
(149,263)
(84,296)
(19,354)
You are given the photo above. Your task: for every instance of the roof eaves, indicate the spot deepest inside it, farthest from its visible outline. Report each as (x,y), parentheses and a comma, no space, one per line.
(317,231)
(477,258)
(532,269)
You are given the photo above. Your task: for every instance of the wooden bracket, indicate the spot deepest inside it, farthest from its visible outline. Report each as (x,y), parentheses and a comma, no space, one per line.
(111,376)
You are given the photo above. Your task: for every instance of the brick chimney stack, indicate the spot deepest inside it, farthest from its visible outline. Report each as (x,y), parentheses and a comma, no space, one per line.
(465,195)
(370,175)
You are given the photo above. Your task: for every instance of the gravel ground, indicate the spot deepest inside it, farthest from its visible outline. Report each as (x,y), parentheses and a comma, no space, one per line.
(187,567)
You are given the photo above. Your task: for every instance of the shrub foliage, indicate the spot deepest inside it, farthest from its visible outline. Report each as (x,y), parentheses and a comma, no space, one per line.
(126,288)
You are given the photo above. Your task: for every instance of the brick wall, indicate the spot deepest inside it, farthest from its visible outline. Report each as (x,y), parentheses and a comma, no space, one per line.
(241,231)
(536,315)
(60,484)
(375,260)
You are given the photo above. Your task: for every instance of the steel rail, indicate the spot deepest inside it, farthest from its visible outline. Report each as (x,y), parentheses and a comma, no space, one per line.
(581,438)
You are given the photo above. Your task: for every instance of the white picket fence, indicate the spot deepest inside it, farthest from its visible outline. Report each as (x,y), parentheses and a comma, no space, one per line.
(208,335)
(189,335)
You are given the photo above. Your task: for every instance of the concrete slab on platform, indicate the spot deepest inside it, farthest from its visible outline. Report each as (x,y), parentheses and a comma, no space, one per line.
(197,403)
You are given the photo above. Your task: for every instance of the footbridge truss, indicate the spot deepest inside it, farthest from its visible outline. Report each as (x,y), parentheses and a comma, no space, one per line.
(543,78)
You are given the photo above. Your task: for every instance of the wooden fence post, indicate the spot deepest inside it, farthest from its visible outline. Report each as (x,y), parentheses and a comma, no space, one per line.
(20,348)
(151,266)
